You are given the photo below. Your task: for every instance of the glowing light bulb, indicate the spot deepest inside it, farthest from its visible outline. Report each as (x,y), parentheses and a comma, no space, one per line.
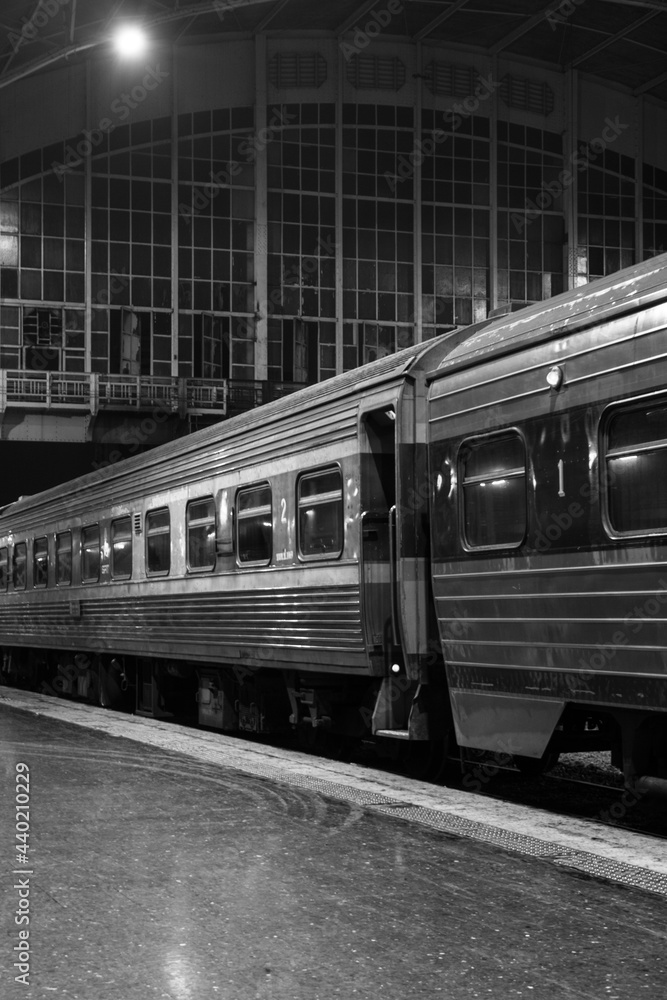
(555,377)
(130,41)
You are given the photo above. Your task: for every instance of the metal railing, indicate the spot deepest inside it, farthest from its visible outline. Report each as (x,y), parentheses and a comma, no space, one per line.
(90,393)
(246,394)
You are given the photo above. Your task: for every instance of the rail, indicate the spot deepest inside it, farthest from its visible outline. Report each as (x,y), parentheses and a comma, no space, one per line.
(89,392)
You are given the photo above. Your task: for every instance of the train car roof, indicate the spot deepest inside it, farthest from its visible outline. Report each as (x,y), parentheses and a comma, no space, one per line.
(598,301)
(410,361)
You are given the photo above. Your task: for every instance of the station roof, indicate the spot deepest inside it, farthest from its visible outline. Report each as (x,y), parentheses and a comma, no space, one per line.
(620,41)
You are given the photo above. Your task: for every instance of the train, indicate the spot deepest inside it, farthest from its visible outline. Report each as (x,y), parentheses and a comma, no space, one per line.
(461,544)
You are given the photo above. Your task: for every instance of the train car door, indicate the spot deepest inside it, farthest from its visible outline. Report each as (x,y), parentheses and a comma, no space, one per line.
(378,497)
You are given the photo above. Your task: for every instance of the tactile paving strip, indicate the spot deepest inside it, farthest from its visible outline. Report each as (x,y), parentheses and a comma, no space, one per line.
(462,827)
(231,753)
(591,864)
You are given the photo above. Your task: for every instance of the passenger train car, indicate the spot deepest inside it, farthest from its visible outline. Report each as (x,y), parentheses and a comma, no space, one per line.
(257,565)
(468,536)
(548,453)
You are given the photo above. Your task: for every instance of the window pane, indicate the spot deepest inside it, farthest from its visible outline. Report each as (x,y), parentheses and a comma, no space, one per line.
(493,457)
(322,482)
(90,553)
(157,519)
(3,568)
(638,491)
(321,513)
(637,470)
(158,541)
(201,534)
(40,562)
(20,560)
(121,549)
(494,491)
(250,500)
(636,427)
(64,557)
(254,525)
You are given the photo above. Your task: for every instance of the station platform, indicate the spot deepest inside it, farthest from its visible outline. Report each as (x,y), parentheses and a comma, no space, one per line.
(165,862)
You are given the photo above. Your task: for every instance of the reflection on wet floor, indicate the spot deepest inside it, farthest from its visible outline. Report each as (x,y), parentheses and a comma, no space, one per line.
(157,875)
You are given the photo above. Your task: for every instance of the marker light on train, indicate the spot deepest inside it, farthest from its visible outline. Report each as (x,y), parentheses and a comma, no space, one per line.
(555,377)
(395,668)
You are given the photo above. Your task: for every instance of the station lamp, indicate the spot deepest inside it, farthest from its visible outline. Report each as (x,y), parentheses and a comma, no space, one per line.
(130,41)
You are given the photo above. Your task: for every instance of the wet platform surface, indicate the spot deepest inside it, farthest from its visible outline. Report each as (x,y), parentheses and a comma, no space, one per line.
(157,874)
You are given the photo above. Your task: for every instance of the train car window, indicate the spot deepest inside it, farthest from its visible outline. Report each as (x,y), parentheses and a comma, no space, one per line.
(90,553)
(158,541)
(320,506)
(40,562)
(636,469)
(492,472)
(121,549)
(19,565)
(4,567)
(200,520)
(64,558)
(254,525)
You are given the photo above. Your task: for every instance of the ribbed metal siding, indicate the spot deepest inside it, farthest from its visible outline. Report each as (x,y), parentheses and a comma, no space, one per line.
(191,626)
(586,617)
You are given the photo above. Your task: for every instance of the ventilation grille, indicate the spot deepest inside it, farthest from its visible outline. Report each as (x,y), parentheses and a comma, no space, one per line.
(289,70)
(137,524)
(375,72)
(452,81)
(529,95)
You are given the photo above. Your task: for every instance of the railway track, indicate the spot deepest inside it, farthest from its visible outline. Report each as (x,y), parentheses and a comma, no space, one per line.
(581,785)
(593,791)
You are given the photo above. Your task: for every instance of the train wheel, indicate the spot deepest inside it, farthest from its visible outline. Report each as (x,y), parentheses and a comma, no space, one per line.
(111,675)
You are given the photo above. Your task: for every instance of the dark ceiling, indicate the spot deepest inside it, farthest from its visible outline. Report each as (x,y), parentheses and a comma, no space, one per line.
(622,41)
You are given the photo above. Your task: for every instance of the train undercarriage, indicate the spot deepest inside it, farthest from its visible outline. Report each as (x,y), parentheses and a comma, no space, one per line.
(327,712)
